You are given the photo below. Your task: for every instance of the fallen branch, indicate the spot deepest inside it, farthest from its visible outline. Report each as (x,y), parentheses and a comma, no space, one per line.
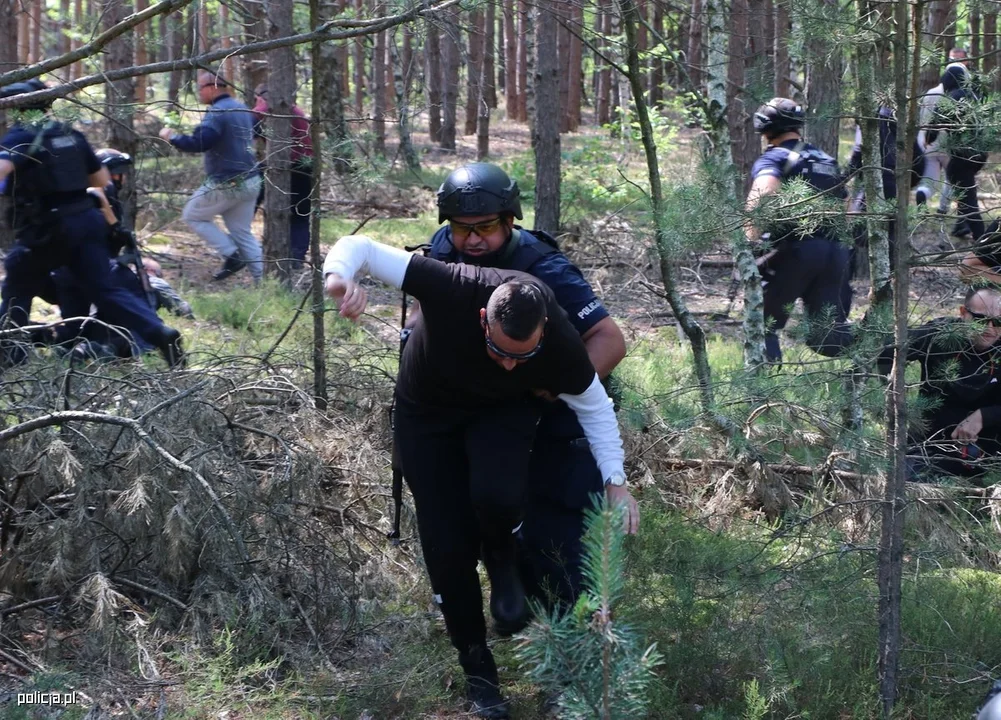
(59,418)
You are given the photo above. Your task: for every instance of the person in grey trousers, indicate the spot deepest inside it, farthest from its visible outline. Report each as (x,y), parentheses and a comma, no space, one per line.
(226,137)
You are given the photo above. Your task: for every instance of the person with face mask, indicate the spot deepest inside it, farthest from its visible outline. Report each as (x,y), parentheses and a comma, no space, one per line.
(960,433)
(487,343)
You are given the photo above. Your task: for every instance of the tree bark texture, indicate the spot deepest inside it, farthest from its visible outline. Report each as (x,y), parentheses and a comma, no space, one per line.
(510,62)
(120,99)
(281,97)
(490,53)
(527,44)
(328,74)
(742,136)
(575,79)
(546,130)
(487,89)
(402,72)
(938,12)
(891,543)
(783,67)
(474,74)
(359,65)
(379,86)
(450,77)
(8,60)
(823,91)
(432,78)
(603,92)
(562,8)
(319,100)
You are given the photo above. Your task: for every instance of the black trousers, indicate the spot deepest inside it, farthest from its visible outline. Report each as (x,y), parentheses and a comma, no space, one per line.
(818,271)
(468,473)
(961,172)
(563,482)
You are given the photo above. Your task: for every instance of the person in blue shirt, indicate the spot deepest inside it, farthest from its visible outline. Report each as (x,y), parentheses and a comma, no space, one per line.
(226,137)
(814,265)
(46,168)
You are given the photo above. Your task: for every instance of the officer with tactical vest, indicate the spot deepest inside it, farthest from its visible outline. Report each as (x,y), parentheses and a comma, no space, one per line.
(46,168)
(795,263)
(481,203)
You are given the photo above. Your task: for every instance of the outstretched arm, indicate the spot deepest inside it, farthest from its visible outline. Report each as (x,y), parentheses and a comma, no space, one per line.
(356,254)
(596,416)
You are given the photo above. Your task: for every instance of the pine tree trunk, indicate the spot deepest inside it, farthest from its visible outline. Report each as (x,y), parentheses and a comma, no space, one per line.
(474,71)
(329,76)
(320,99)
(490,54)
(281,97)
(603,101)
(226,38)
(737,112)
(486,89)
(891,544)
(719,139)
(379,85)
(510,62)
(9,49)
(562,8)
(23,34)
(657,64)
(450,77)
(783,68)
(190,42)
(527,44)
(526,35)
(575,73)
(141,57)
(823,93)
(75,68)
(768,37)
(402,73)
(432,70)
(938,21)
(120,98)
(175,48)
(975,15)
(546,133)
(695,32)
(990,43)
(359,64)
(696,335)
(35,49)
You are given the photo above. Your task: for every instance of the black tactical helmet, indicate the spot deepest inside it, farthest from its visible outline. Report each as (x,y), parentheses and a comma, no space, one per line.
(115,160)
(779,115)
(27,86)
(478,189)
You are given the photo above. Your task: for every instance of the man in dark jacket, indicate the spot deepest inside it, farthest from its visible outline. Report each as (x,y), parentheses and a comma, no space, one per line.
(226,136)
(960,391)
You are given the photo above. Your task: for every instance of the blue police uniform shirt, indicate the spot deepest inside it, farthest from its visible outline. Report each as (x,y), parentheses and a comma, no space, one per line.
(14,147)
(572,291)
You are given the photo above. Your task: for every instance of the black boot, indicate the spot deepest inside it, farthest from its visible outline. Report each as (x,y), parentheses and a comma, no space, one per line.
(232,265)
(508,604)
(170,347)
(482,685)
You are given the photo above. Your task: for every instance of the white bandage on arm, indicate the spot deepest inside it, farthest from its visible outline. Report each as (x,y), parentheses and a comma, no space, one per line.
(353,254)
(596,415)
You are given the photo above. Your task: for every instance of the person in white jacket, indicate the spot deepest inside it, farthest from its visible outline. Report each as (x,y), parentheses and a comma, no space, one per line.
(488,345)
(930,141)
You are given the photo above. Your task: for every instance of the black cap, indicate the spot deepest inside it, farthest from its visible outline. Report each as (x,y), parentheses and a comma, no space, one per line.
(478,189)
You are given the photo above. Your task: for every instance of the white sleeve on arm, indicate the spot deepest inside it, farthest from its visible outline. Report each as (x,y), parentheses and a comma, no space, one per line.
(353,254)
(596,415)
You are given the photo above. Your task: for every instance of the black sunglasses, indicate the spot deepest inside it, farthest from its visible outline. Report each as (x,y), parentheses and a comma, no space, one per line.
(981,317)
(492,346)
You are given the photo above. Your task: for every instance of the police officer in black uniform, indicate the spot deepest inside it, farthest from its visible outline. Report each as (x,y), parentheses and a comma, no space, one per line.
(481,203)
(813,266)
(46,167)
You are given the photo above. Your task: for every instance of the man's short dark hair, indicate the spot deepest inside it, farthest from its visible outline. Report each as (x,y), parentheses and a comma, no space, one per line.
(519,307)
